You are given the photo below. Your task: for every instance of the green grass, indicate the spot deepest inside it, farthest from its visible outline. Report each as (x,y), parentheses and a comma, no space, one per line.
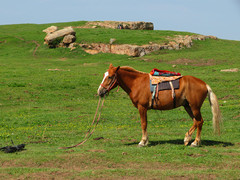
(49,109)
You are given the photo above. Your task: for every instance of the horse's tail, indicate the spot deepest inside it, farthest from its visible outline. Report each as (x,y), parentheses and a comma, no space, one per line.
(217,118)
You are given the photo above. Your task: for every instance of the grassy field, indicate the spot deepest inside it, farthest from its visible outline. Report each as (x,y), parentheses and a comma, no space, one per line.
(48,100)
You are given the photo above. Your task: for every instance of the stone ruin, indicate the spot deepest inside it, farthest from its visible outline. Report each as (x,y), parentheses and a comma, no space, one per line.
(176,43)
(137,25)
(66,37)
(59,38)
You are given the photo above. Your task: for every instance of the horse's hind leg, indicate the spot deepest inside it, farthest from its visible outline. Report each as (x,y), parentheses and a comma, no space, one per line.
(195,114)
(198,122)
(188,135)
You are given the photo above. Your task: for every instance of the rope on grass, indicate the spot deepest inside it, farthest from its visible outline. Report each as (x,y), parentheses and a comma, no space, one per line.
(90,130)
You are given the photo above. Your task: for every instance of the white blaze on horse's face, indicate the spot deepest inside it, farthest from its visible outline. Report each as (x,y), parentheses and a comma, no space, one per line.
(100,87)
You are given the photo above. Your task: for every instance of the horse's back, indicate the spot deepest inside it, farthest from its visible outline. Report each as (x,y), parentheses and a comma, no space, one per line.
(193,84)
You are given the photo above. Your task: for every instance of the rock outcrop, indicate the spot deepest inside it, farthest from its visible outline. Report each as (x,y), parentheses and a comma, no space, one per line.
(66,38)
(176,43)
(59,38)
(137,25)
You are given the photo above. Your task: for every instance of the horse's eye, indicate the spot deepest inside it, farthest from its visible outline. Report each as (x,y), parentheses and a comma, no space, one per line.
(109,77)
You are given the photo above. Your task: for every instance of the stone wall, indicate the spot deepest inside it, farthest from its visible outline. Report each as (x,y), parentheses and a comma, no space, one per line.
(138,25)
(66,38)
(176,43)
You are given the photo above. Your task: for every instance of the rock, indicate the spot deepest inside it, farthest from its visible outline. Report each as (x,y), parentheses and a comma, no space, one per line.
(201,37)
(130,50)
(112,40)
(182,41)
(68,39)
(61,44)
(53,39)
(50,29)
(150,48)
(187,42)
(91,51)
(137,51)
(165,46)
(174,45)
(230,70)
(212,37)
(72,46)
(138,25)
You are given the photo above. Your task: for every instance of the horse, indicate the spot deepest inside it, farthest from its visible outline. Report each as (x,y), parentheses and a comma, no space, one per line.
(191,94)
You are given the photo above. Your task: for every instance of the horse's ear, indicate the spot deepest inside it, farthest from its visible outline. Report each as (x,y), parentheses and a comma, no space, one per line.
(110,66)
(118,68)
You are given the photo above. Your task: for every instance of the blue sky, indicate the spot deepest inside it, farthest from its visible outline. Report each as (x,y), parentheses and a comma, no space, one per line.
(207,17)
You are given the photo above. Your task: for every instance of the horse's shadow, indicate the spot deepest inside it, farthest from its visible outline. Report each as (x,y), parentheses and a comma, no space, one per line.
(180,142)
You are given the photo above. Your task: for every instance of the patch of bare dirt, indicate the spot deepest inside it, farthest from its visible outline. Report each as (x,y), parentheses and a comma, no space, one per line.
(47,175)
(57,69)
(97,150)
(193,176)
(227,97)
(209,62)
(235,117)
(35,42)
(182,61)
(195,155)
(62,59)
(191,62)
(72,164)
(11,163)
(90,64)
(231,154)
(3,41)
(37,46)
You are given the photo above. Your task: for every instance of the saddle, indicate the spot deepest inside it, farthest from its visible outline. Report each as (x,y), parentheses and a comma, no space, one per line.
(163,80)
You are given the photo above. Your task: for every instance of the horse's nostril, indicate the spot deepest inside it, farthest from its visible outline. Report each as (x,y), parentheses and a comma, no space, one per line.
(102,92)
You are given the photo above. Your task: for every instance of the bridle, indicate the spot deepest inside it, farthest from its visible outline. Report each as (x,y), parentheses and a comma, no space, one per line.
(112,83)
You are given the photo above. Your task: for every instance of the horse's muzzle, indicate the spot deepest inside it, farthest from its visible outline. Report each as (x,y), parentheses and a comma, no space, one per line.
(102,91)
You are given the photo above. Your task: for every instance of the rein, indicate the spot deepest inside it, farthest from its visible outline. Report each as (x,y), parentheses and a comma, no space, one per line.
(89,132)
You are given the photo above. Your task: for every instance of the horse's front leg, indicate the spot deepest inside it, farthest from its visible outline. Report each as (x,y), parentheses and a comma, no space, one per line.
(143,116)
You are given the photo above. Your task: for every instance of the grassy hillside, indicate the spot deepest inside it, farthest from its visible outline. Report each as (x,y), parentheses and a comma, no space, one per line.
(48,100)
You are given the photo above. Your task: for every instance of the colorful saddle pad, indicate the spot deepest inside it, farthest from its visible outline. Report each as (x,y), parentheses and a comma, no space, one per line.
(157,72)
(163,80)
(160,79)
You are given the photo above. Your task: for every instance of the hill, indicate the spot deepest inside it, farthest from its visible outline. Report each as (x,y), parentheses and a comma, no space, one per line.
(48,99)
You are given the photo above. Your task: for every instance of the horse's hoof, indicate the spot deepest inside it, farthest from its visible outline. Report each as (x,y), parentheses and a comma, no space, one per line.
(143,144)
(187,139)
(186,143)
(195,144)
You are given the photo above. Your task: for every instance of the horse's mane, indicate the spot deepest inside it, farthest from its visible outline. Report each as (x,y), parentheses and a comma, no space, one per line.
(130,69)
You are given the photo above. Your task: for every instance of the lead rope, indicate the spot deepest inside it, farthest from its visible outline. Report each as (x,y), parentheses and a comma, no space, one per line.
(89,132)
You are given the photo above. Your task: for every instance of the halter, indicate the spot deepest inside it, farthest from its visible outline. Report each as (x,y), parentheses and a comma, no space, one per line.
(113,82)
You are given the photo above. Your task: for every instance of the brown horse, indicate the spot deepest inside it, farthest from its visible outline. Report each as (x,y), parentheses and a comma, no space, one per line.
(191,94)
